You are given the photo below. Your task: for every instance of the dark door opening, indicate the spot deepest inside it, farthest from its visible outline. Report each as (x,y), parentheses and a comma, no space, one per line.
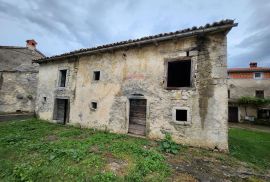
(61,110)
(233,114)
(137,116)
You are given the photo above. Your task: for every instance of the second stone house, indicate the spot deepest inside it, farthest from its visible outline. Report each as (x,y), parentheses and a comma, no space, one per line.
(173,82)
(251,82)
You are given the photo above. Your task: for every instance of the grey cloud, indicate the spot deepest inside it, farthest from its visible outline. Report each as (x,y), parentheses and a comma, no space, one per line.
(256,44)
(62,25)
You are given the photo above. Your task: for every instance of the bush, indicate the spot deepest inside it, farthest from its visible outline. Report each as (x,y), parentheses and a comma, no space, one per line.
(169,146)
(247,100)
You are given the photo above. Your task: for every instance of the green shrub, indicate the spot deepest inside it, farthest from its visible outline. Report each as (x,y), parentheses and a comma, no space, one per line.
(169,146)
(105,177)
(247,100)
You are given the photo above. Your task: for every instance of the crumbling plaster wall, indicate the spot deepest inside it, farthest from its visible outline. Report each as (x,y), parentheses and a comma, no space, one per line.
(141,70)
(18,91)
(247,87)
(18,79)
(48,87)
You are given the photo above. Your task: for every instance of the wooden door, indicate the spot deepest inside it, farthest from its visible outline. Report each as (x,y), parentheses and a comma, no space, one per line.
(233,114)
(62,110)
(137,116)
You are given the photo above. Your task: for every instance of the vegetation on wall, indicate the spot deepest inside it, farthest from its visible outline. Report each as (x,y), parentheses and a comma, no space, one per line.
(255,101)
(247,100)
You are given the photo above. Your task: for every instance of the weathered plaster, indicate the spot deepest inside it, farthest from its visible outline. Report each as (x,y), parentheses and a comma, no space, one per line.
(140,71)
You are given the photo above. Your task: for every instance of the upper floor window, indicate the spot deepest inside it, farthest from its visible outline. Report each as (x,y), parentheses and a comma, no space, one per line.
(62,78)
(260,93)
(96,75)
(178,74)
(258,75)
(229,94)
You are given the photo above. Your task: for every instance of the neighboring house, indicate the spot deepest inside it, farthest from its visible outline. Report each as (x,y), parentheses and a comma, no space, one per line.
(253,82)
(18,77)
(173,82)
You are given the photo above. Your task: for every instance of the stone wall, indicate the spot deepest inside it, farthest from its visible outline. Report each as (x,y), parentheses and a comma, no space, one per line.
(141,71)
(18,79)
(18,91)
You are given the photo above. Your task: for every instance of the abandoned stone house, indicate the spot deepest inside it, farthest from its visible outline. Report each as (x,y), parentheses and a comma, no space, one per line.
(254,82)
(18,77)
(172,82)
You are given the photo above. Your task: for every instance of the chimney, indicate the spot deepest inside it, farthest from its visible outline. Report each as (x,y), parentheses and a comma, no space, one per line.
(31,44)
(253,64)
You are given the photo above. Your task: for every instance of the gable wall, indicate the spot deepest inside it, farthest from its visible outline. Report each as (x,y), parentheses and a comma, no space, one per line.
(142,71)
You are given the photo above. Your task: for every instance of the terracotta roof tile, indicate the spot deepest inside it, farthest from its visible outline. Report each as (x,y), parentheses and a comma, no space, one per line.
(255,69)
(228,22)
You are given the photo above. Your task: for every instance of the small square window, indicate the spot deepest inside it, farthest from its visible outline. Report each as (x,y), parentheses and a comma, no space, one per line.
(181,115)
(259,94)
(94,105)
(258,75)
(96,75)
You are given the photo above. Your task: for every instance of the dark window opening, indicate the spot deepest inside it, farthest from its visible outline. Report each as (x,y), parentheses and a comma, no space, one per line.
(179,73)
(260,93)
(44,99)
(263,114)
(1,80)
(229,94)
(96,75)
(181,115)
(63,77)
(258,75)
(19,111)
(93,105)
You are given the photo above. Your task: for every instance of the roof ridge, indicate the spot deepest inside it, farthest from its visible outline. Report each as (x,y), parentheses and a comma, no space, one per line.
(12,47)
(230,23)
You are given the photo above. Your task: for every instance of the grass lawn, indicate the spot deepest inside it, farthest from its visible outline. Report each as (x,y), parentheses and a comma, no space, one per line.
(35,150)
(250,146)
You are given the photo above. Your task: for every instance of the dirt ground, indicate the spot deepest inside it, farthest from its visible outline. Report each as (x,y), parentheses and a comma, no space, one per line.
(201,165)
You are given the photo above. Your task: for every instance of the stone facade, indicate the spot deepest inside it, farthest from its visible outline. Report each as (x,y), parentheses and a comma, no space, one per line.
(18,79)
(140,72)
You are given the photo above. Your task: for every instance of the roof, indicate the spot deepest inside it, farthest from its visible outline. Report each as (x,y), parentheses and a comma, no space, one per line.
(253,69)
(221,25)
(15,58)
(19,47)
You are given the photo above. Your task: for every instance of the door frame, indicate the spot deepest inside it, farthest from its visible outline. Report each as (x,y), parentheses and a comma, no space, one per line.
(229,113)
(142,97)
(67,109)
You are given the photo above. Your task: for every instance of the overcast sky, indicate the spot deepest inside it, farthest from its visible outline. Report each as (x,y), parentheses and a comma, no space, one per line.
(63,25)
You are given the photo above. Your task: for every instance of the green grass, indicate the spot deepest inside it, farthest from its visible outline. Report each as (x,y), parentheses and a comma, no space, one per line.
(250,146)
(35,150)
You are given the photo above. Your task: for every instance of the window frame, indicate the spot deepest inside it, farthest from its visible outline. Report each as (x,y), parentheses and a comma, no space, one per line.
(60,77)
(94,75)
(187,122)
(258,78)
(179,59)
(259,91)
(91,105)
